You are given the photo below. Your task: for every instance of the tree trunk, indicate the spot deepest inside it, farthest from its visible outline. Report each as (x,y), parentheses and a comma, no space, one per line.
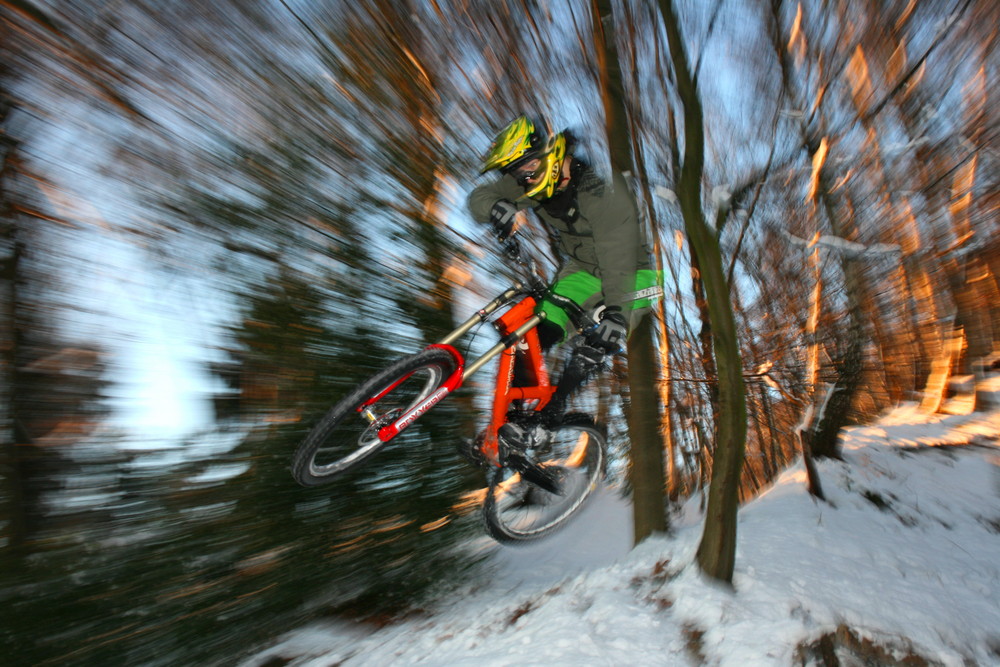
(661,347)
(806,431)
(823,440)
(647,469)
(12,492)
(717,551)
(850,364)
(648,480)
(12,506)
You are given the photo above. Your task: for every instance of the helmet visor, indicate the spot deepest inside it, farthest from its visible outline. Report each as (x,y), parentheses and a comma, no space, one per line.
(527,170)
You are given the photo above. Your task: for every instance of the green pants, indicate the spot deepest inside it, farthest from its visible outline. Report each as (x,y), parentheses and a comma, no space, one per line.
(585,289)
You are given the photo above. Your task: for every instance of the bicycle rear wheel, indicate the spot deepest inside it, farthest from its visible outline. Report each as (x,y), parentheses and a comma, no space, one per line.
(348,434)
(516,510)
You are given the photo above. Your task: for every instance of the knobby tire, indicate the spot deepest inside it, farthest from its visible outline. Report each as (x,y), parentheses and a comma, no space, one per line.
(344,438)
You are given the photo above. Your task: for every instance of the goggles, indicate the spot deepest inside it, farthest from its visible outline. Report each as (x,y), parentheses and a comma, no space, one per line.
(527,171)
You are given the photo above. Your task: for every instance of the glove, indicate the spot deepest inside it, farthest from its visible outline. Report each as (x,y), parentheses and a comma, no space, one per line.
(512,250)
(611,332)
(502,218)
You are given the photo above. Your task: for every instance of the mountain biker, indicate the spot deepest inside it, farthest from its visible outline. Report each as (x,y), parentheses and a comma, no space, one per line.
(604,260)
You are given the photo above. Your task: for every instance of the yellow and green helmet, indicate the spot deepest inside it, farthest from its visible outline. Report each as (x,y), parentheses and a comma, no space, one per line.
(523,140)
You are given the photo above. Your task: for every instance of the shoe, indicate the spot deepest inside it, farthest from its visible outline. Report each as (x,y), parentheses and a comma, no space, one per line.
(513,442)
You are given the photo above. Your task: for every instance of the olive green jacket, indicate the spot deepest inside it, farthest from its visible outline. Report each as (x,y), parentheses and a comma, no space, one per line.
(605,240)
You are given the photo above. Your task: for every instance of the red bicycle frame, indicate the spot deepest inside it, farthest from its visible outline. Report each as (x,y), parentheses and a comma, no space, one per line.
(535,390)
(517,328)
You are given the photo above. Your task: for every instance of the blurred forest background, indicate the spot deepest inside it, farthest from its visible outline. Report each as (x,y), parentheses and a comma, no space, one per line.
(259,202)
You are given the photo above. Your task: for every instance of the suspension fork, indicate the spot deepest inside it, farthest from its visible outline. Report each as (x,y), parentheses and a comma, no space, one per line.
(451,383)
(481,316)
(454,381)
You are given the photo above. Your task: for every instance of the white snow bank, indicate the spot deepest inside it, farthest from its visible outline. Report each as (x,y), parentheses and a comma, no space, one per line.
(906,552)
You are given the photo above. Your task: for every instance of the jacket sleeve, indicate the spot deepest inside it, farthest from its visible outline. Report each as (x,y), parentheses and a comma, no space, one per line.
(482,198)
(617,244)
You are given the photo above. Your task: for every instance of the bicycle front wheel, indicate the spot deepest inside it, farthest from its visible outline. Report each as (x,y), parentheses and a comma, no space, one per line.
(516,510)
(348,434)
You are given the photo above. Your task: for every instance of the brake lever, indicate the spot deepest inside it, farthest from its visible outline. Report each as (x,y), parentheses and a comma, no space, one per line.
(513,250)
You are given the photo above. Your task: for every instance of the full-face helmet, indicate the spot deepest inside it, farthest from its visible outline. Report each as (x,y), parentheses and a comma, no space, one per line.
(531,154)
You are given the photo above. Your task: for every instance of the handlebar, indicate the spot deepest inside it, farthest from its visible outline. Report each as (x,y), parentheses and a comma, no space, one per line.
(513,250)
(531,284)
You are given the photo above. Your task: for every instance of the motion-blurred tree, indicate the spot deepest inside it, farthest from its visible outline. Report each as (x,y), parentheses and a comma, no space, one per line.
(207,555)
(51,385)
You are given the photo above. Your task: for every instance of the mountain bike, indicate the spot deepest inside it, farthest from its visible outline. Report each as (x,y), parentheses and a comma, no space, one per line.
(529,493)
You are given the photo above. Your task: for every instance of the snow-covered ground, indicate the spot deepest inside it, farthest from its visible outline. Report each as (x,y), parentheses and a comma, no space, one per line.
(905,553)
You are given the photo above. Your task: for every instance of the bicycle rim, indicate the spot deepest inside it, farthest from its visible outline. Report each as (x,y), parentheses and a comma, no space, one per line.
(348,434)
(516,510)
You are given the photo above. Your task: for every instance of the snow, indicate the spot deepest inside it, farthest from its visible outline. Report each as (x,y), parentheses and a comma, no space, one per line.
(905,552)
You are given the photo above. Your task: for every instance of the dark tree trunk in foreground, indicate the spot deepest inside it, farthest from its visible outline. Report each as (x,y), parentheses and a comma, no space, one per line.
(648,477)
(717,551)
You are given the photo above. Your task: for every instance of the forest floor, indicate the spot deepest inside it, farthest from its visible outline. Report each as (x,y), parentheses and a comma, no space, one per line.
(901,565)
